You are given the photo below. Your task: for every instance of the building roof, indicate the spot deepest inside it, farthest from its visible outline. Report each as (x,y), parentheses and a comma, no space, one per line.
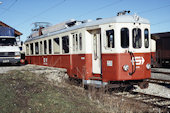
(17,33)
(160,35)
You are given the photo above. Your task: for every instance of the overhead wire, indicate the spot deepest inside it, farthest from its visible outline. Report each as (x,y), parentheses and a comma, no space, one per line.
(40,13)
(100,8)
(8,8)
(162,22)
(154,9)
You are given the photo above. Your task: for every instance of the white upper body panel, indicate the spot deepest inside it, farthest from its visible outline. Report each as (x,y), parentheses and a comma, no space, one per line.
(117,19)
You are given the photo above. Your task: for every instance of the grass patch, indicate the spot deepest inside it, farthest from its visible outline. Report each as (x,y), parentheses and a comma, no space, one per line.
(24,91)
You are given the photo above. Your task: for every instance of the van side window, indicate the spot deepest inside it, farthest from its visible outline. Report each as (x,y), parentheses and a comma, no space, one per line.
(110,38)
(124,38)
(65,44)
(56,45)
(137,40)
(146,39)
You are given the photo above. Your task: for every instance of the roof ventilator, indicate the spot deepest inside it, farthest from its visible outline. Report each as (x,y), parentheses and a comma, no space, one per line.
(122,13)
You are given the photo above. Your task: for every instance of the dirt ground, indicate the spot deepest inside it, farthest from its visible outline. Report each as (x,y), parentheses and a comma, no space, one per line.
(32,88)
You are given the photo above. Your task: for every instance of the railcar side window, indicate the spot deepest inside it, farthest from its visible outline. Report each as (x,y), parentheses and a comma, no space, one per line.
(110,38)
(36,48)
(56,45)
(45,47)
(32,48)
(146,33)
(41,48)
(137,42)
(76,42)
(80,41)
(124,37)
(27,49)
(49,46)
(65,44)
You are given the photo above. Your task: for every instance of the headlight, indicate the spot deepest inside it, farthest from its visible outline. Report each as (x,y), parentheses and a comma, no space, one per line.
(17,53)
(148,66)
(125,67)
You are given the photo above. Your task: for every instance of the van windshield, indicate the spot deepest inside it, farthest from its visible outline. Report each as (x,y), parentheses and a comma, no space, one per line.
(7,41)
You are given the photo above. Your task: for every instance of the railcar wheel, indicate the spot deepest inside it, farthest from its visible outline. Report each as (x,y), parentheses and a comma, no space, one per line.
(143,85)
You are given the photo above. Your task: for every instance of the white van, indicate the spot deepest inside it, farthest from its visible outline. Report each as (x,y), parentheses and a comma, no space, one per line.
(9,50)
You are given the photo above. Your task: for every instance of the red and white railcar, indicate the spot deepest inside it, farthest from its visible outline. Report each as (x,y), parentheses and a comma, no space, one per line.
(105,51)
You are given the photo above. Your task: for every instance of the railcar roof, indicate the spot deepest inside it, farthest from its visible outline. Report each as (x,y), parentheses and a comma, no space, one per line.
(117,19)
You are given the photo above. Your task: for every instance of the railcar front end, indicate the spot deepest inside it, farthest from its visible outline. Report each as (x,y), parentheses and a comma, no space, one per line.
(121,53)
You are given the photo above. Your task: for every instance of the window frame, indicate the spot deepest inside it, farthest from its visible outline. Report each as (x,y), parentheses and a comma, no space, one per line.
(41,48)
(55,40)
(80,42)
(108,39)
(146,46)
(138,37)
(124,46)
(45,46)
(36,48)
(67,45)
(27,49)
(49,46)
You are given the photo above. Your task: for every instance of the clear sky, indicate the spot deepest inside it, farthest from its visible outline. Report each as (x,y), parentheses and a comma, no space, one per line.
(20,14)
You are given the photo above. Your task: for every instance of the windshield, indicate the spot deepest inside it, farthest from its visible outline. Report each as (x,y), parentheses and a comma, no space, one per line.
(7,41)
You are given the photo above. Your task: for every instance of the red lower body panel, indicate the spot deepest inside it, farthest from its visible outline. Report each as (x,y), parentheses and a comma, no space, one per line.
(80,65)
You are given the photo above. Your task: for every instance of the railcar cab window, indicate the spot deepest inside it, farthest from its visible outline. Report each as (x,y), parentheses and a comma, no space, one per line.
(110,38)
(137,42)
(65,44)
(124,37)
(56,45)
(146,34)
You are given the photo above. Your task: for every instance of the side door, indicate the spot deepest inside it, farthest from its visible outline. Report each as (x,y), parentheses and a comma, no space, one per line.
(96,51)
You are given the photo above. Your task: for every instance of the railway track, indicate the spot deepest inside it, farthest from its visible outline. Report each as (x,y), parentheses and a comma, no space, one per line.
(167,73)
(159,81)
(151,100)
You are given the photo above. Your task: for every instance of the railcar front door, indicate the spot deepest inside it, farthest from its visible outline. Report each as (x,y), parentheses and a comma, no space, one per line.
(96,52)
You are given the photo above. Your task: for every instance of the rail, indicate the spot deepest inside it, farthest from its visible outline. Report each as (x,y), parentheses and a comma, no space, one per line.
(151,100)
(167,73)
(159,81)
